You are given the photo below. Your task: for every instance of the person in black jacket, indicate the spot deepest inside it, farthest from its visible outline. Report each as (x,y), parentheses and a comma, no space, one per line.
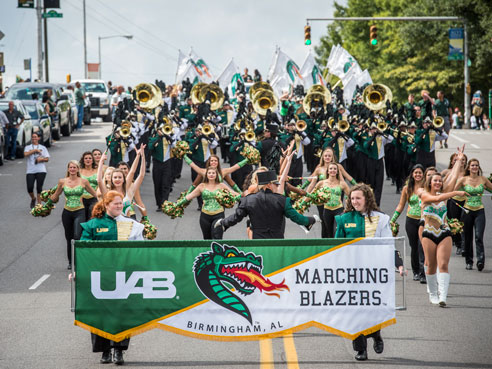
(266,210)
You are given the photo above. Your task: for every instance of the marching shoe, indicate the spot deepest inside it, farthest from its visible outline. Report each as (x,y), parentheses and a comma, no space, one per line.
(432,288)
(378,344)
(423,280)
(416,276)
(443,279)
(69,266)
(118,357)
(459,251)
(106,357)
(158,210)
(361,355)
(469,267)
(480,266)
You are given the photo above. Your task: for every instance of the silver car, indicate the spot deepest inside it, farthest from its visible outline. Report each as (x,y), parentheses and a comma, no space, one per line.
(25,129)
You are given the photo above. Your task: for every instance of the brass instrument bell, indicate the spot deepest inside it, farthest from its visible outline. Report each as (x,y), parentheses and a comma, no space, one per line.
(125,129)
(207,129)
(217,96)
(148,95)
(264,100)
(438,122)
(343,126)
(258,86)
(301,125)
(195,92)
(313,97)
(320,89)
(375,96)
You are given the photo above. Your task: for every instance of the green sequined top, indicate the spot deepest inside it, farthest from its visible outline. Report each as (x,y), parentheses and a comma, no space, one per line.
(335,201)
(474,201)
(321,177)
(437,212)
(93,182)
(414,209)
(73,196)
(210,205)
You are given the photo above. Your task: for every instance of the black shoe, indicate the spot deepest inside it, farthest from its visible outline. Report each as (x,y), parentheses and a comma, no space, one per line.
(159,209)
(361,355)
(469,266)
(398,191)
(33,203)
(459,251)
(416,276)
(118,357)
(423,280)
(378,345)
(178,176)
(106,357)
(480,266)
(445,145)
(69,266)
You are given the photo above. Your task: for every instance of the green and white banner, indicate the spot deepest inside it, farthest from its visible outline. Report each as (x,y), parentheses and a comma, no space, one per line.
(235,290)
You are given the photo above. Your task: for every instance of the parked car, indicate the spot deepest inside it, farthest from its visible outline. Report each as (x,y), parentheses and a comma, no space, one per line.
(2,145)
(99,96)
(25,129)
(40,121)
(25,90)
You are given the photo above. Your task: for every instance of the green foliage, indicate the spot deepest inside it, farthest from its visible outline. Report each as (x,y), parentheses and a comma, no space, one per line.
(412,56)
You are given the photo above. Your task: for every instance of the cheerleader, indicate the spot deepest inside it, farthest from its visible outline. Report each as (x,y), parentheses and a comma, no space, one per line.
(73,214)
(436,236)
(335,184)
(474,183)
(409,194)
(456,203)
(88,170)
(211,209)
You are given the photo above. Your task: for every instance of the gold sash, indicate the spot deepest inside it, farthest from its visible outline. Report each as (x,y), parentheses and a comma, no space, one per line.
(298,142)
(432,138)
(124,230)
(379,143)
(341,143)
(371,226)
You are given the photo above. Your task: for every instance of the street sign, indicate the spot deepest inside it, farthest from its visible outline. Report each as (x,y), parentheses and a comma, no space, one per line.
(27,64)
(455,44)
(51,4)
(2,68)
(25,4)
(1,35)
(52,14)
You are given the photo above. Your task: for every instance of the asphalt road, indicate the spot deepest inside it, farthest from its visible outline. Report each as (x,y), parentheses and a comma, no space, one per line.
(36,325)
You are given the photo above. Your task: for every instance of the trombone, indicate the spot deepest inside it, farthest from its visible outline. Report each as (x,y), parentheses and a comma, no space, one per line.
(207,129)
(125,129)
(165,128)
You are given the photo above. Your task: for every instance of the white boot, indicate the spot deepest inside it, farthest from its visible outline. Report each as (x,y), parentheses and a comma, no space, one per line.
(443,279)
(432,288)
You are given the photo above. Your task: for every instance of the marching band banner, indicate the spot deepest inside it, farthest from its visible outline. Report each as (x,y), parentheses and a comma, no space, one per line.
(235,290)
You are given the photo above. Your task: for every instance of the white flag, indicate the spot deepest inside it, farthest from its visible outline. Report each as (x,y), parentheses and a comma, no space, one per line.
(281,84)
(285,66)
(342,62)
(182,66)
(350,84)
(229,77)
(191,73)
(310,71)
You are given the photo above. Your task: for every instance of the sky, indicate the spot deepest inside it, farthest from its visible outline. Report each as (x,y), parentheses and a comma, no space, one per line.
(218,30)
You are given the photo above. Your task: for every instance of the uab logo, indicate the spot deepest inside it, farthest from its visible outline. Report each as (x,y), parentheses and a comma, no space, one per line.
(154,285)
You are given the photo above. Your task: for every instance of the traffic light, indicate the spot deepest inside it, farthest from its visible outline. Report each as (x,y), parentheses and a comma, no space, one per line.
(307,35)
(69,78)
(373,35)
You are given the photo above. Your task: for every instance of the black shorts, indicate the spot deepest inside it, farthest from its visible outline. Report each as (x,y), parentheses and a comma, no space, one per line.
(436,239)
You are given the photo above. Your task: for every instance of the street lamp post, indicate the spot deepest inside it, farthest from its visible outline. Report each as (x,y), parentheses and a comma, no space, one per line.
(129,37)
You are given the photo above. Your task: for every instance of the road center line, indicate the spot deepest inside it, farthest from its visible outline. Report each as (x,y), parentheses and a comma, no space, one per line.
(39,281)
(475,146)
(266,354)
(290,352)
(459,139)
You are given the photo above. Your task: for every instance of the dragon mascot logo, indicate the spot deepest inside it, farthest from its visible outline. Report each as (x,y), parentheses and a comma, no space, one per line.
(226,265)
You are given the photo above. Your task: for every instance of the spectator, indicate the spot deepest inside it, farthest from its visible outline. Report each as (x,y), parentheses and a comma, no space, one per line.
(477,108)
(36,155)
(15,119)
(257,76)
(116,98)
(79,100)
(455,118)
(246,76)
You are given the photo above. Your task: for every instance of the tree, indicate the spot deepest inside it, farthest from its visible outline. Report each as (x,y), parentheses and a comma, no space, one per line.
(412,56)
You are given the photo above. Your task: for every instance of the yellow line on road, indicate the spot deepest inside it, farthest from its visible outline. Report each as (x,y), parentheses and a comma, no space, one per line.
(266,354)
(290,352)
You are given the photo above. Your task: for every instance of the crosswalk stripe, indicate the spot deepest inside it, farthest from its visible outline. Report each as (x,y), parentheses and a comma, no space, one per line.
(290,352)
(39,281)
(266,354)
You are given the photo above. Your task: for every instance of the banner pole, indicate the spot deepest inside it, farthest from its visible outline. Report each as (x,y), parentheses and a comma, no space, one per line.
(72,287)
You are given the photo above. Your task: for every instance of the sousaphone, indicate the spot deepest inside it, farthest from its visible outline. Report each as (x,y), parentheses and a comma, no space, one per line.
(264,100)
(216,95)
(376,95)
(321,89)
(313,98)
(257,87)
(148,95)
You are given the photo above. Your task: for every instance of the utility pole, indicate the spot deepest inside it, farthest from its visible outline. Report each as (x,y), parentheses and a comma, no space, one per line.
(46,68)
(422,19)
(40,41)
(85,43)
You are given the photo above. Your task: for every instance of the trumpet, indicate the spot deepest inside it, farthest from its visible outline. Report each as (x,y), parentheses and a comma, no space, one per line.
(125,129)
(301,125)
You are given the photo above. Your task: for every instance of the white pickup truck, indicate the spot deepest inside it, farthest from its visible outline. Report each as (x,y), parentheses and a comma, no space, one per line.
(98,94)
